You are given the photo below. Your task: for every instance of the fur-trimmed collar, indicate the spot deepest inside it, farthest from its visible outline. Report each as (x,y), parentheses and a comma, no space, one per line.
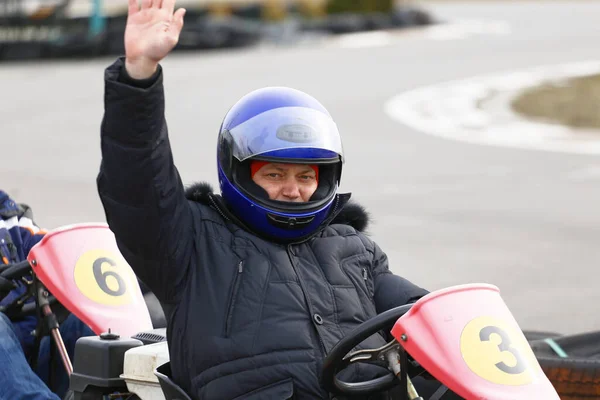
(352,214)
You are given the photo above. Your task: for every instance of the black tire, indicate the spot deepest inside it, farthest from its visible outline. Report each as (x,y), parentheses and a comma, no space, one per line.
(346,23)
(378,21)
(408,17)
(571,363)
(573,378)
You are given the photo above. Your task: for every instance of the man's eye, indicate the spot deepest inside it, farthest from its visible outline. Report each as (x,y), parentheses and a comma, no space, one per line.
(307,177)
(274,175)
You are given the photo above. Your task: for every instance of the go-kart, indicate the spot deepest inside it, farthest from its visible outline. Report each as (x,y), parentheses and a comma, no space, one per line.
(464,336)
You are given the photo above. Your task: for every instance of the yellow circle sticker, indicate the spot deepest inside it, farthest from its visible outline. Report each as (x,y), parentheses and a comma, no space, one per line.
(498,352)
(104,277)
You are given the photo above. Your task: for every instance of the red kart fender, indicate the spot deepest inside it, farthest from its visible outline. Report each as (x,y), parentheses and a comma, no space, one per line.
(466,337)
(83,268)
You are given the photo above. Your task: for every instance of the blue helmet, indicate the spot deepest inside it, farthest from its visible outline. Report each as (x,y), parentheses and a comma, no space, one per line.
(284,125)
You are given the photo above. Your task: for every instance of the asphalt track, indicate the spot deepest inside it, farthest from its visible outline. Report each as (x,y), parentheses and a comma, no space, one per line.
(446,212)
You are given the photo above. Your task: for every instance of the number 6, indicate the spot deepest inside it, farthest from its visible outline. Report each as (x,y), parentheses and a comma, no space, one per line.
(101,277)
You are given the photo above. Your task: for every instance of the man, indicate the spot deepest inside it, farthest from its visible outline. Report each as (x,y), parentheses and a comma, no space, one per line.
(257,284)
(18,234)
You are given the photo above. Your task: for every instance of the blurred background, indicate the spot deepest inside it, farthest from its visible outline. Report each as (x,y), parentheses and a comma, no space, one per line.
(76,28)
(450,202)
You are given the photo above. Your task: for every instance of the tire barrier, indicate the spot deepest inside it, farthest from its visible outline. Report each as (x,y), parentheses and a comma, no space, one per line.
(88,28)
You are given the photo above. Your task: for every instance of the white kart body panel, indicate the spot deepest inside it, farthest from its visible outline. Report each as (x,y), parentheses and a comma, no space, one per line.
(138,370)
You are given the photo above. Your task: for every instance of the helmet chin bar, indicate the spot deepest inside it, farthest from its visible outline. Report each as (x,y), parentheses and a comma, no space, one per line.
(289,222)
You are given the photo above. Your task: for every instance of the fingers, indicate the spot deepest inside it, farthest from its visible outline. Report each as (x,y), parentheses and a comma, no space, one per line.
(168,5)
(177,25)
(178,19)
(132,7)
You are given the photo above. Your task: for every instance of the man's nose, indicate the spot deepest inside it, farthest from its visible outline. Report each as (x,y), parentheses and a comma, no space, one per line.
(291,189)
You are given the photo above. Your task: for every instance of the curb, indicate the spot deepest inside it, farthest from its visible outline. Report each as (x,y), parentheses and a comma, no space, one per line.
(477,110)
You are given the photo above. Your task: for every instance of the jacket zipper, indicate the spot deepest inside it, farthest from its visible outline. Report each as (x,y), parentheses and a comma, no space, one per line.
(218,209)
(290,253)
(370,291)
(233,297)
(304,291)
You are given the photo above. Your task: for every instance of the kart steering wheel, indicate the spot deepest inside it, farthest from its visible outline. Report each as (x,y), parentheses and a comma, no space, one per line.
(385,356)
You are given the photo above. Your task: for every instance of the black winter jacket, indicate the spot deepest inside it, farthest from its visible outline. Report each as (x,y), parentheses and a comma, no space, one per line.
(247,318)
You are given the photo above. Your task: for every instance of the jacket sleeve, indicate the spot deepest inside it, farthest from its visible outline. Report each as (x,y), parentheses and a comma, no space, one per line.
(391,290)
(139,186)
(29,240)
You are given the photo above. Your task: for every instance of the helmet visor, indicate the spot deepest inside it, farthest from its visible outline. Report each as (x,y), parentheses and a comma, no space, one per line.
(285,128)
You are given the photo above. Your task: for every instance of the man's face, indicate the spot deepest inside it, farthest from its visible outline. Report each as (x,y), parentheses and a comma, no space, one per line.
(287,182)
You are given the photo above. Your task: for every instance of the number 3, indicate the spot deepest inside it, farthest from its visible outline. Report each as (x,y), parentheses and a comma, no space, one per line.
(101,277)
(520,366)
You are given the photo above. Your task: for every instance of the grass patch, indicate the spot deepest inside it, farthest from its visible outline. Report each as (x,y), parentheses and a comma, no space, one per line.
(574,102)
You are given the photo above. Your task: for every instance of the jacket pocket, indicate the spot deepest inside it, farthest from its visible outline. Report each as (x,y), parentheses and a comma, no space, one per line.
(282,390)
(357,269)
(235,287)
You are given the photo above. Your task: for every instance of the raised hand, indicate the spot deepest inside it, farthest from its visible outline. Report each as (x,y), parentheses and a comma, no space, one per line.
(151,32)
